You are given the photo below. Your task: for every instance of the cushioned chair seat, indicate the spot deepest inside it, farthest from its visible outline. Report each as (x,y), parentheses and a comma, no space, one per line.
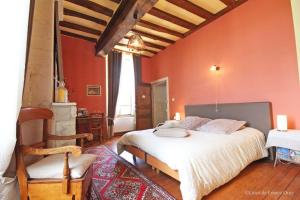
(52,166)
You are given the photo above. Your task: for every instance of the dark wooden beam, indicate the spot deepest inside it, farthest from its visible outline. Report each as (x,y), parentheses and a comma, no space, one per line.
(148,50)
(156,27)
(154,37)
(156,46)
(93,6)
(122,22)
(149,44)
(172,18)
(189,6)
(84,16)
(217,15)
(79,27)
(116,1)
(228,2)
(79,36)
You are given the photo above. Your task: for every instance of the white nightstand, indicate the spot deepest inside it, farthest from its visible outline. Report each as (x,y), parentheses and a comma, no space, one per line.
(287,145)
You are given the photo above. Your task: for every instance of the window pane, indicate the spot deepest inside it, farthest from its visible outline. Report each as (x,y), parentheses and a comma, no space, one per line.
(126,97)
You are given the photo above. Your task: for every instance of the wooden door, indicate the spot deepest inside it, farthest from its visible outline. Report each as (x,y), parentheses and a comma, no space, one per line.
(143,107)
(159,103)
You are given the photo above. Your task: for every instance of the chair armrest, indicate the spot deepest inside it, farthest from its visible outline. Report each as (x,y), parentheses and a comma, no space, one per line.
(75,150)
(88,136)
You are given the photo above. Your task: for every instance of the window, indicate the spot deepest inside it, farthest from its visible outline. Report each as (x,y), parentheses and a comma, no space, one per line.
(126,97)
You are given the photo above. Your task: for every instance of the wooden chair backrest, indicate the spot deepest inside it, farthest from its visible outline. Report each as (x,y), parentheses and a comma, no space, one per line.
(29,114)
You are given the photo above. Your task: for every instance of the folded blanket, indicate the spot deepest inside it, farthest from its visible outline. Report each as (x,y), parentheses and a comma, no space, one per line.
(171,132)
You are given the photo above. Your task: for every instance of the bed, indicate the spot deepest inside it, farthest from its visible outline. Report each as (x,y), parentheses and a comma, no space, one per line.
(205,161)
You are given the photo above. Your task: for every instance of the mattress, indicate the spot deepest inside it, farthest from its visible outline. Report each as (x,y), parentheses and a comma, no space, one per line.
(204,160)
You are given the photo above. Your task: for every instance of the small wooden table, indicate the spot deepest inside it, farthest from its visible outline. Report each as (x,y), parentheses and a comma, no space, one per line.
(92,123)
(287,145)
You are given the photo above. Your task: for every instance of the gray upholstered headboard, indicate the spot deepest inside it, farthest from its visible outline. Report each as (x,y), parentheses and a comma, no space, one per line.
(257,114)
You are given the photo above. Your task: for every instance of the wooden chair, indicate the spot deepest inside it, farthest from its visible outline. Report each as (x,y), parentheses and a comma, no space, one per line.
(63,187)
(96,122)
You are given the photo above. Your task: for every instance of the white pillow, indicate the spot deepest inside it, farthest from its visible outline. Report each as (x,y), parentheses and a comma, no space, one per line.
(171,132)
(223,126)
(192,122)
(169,124)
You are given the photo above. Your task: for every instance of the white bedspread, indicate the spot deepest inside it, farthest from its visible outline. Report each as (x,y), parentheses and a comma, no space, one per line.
(204,161)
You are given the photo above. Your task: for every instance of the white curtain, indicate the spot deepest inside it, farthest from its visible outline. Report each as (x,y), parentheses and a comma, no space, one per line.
(13,36)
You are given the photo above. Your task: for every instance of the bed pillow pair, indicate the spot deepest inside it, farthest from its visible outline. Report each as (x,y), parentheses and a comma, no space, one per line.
(189,123)
(193,122)
(222,126)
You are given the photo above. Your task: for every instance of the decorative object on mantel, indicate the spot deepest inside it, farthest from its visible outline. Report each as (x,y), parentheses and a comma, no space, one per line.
(135,42)
(62,93)
(115,178)
(93,90)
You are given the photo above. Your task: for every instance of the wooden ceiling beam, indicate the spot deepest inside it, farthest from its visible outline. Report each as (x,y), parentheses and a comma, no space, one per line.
(79,27)
(158,28)
(148,50)
(79,36)
(149,44)
(189,6)
(93,6)
(84,16)
(172,18)
(116,1)
(217,15)
(122,22)
(154,37)
(228,2)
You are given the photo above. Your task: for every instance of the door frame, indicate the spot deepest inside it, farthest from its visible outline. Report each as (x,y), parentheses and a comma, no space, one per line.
(158,82)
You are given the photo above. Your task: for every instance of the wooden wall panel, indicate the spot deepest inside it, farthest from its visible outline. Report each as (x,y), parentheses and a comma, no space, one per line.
(143,107)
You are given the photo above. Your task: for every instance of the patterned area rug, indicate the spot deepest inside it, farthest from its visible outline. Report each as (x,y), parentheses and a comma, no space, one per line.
(116,179)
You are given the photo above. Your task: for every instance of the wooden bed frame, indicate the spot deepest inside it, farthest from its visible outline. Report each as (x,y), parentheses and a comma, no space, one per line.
(257,115)
(151,160)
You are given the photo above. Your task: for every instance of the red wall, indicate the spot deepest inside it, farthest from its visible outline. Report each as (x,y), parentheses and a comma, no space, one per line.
(82,68)
(255,47)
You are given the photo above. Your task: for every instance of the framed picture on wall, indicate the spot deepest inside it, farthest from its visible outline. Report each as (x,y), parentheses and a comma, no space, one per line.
(93,90)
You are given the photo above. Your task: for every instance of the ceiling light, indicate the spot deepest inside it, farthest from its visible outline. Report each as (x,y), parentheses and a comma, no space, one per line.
(135,42)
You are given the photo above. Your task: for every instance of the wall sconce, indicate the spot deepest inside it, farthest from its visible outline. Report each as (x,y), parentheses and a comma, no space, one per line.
(282,123)
(177,116)
(214,68)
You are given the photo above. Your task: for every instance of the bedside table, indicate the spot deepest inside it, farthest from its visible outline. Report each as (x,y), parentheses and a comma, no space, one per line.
(287,145)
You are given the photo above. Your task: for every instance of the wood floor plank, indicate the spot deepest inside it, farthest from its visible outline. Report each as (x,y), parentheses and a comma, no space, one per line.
(279,183)
(293,190)
(243,186)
